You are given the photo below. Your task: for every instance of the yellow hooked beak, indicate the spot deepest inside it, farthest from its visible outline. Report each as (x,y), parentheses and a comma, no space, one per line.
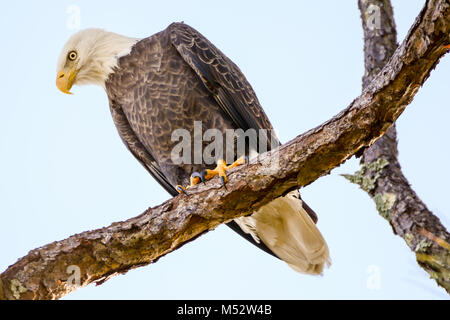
(65,80)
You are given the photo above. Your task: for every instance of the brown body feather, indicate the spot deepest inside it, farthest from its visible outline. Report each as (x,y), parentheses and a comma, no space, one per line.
(167,82)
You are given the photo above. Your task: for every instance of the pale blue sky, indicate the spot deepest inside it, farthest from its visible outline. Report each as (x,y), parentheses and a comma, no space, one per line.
(64,169)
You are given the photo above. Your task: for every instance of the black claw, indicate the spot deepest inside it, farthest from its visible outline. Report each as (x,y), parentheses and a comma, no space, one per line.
(203,174)
(223,182)
(200,175)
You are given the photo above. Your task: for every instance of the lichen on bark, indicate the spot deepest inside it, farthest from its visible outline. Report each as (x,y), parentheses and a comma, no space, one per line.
(394,197)
(367,176)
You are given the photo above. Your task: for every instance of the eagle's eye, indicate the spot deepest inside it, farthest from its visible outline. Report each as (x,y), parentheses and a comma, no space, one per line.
(72,55)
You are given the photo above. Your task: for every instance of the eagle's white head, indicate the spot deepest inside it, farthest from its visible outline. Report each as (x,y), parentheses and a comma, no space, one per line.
(89,56)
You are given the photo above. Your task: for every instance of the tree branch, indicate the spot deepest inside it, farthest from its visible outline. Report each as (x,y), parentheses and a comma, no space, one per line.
(102,253)
(381,175)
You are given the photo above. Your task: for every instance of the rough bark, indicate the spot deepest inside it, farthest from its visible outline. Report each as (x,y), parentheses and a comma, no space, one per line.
(381,174)
(102,253)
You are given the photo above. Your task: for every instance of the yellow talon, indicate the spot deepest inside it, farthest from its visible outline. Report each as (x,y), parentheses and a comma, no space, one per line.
(222,168)
(194,179)
(180,189)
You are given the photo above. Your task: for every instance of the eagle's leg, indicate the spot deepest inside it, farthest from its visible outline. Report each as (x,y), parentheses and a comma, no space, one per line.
(195,179)
(222,168)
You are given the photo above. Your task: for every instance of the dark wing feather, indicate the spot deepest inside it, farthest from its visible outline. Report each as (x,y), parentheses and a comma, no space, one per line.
(221,77)
(133,144)
(229,87)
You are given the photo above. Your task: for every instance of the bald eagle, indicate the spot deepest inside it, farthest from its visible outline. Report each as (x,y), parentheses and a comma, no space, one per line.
(172,80)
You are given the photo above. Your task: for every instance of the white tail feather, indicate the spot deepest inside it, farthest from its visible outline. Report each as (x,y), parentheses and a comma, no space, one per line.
(287,229)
